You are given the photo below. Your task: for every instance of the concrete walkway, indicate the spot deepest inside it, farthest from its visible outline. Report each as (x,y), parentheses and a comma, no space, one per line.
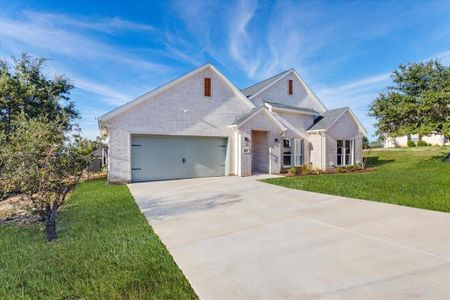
(237,238)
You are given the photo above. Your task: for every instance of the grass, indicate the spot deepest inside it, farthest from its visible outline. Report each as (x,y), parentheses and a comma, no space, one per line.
(105,250)
(413,177)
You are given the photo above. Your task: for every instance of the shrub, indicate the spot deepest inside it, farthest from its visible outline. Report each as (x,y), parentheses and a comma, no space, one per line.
(50,164)
(292,171)
(338,170)
(422,143)
(305,169)
(411,144)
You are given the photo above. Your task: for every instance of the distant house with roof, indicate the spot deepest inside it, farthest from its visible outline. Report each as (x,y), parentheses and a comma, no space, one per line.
(402,141)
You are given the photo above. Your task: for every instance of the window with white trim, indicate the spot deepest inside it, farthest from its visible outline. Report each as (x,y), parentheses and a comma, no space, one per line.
(298,152)
(344,152)
(287,153)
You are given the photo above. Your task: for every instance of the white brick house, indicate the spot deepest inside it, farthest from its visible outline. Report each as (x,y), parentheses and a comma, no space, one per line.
(202,125)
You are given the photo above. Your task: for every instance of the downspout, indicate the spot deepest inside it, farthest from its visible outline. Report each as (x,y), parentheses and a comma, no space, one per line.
(239,153)
(270,159)
(321,150)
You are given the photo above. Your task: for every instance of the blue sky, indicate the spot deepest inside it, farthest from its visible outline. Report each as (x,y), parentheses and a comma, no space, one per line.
(115,51)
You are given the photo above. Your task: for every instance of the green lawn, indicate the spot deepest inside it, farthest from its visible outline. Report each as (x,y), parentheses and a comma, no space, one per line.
(105,250)
(411,176)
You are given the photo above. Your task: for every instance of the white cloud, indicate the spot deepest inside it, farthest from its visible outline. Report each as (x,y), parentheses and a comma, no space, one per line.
(109,95)
(92,65)
(20,35)
(240,42)
(357,95)
(444,57)
(107,25)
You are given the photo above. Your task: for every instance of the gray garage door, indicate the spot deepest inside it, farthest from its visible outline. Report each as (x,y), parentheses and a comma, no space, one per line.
(171,157)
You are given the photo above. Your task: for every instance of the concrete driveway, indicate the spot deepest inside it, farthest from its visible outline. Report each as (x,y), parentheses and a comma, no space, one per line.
(237,238)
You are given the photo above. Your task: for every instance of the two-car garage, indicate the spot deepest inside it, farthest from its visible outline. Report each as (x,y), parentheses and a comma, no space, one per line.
(159,157)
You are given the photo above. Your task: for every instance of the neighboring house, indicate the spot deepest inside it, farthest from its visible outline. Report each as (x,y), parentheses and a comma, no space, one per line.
(402,141)
(201,125)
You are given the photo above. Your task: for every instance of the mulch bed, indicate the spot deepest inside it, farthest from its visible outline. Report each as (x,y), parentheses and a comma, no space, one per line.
(16,209)
(313,173)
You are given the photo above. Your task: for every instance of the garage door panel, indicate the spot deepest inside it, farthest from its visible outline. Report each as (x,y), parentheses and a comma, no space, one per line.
(171,157)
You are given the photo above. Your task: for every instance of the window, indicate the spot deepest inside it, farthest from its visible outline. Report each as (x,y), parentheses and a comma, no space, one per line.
(287,153)
(207,87)
(298,152)
(291,87)
(344,152)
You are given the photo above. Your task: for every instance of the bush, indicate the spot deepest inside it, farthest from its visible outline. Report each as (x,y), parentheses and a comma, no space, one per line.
(338,170)
(50,164)
(422,143)
(411,144)
(292,171)
(305,169)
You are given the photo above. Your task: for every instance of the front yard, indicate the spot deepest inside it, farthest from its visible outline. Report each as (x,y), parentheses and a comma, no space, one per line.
(105,250)
(410,176)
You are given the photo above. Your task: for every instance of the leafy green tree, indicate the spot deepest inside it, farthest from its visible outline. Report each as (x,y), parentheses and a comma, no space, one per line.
(24,88)
(365,142)
(417,103)
(43,160)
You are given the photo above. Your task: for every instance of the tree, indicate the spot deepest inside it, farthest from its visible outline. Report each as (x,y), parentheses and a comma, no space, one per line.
(43,160)
(365,142)
(24,88)
(417,103)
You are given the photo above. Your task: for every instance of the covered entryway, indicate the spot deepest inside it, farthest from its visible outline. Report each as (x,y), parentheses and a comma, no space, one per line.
(260,152)
(171,157)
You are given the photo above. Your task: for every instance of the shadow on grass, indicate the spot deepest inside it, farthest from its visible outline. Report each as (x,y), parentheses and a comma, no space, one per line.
(441,158)
(375,161)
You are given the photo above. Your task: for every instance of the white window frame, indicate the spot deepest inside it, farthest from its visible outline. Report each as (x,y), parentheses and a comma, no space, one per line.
(344,153)
(285,155)
(298,152)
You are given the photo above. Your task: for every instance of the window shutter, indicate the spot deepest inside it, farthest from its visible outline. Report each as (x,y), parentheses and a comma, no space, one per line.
(302,152)
(291,87)
(207,87)
(298,152)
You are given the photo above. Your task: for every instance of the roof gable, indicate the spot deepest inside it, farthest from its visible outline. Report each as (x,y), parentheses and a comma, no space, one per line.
(298,131)
(149,95)
(254,91)
(262,110)
(328,118)
(289,108)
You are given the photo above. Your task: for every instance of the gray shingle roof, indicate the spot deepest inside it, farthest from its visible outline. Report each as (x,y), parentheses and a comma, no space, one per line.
(251,90)
(327,118)
(281,105)
(245,116)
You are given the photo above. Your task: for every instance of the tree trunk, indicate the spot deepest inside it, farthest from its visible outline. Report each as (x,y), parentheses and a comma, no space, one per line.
(50,223)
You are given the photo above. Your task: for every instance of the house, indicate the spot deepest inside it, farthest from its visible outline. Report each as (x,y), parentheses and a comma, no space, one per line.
(201,125)
(402,141)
